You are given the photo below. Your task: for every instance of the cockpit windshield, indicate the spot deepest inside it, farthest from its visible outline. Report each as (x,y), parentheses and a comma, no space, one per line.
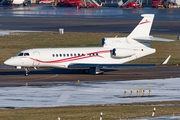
(23,54)
(20,54)
(26,54)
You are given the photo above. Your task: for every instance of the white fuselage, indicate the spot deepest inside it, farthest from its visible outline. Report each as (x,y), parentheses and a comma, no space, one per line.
(62,57)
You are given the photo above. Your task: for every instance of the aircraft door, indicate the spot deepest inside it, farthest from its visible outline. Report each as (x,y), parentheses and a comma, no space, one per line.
(36,57)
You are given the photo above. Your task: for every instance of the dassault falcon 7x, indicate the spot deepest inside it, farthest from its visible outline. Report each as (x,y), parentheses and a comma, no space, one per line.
(114,52)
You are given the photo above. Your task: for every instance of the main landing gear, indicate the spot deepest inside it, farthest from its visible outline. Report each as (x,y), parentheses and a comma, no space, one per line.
(98,71)
(93,70)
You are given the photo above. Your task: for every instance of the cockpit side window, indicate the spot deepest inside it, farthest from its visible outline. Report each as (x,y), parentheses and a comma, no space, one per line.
(20,54)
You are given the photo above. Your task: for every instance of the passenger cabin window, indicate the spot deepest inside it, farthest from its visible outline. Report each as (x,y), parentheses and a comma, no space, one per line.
(64,55)
(92,54)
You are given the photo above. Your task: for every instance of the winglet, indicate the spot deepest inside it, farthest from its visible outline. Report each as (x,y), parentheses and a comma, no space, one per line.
(166,60)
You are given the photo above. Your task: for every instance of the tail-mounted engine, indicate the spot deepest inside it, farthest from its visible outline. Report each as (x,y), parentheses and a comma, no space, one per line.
(122,53)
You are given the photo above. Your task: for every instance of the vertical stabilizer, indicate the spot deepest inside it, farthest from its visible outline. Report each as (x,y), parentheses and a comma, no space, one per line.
(143,28)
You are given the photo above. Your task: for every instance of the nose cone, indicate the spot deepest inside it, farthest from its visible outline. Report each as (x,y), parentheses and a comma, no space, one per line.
(9,62)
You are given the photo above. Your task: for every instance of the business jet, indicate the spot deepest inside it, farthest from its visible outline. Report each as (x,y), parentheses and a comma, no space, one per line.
(15,2)
(114,52)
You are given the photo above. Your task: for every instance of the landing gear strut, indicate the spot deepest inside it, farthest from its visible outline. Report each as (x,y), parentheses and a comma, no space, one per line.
(26,71)
(96,70)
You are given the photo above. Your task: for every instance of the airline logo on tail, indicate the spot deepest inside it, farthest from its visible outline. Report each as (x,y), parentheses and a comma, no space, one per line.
(146,21)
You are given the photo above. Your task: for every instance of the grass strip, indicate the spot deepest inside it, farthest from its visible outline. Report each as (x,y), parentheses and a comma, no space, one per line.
(110,112)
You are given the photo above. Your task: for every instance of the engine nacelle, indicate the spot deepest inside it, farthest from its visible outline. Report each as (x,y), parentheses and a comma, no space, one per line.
(122,52)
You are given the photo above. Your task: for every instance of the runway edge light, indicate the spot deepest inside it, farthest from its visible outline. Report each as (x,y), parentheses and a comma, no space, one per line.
(153,112)
(101,115)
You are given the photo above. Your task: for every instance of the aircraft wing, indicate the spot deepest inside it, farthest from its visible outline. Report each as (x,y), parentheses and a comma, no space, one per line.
(84,65)
(89,65)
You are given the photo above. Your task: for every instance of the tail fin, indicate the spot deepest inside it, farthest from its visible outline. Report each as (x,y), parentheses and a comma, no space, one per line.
(139,36)
(143,28)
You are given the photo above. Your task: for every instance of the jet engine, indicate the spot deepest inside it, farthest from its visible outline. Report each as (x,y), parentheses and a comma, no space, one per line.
(122,53)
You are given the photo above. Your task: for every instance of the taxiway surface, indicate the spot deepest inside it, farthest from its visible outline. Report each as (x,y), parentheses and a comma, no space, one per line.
(14,77)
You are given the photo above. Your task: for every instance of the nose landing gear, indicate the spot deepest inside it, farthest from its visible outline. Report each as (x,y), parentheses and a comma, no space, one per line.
(26,71)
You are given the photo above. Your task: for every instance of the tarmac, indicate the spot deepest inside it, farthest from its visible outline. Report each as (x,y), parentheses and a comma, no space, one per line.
(14,77)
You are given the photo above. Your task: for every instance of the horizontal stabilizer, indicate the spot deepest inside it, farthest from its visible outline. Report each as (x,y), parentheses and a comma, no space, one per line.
(151,38)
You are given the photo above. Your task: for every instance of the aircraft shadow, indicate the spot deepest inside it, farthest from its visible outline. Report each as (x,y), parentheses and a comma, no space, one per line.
(48,71)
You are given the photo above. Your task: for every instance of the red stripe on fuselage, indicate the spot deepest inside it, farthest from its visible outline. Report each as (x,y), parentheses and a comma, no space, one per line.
(88,55)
